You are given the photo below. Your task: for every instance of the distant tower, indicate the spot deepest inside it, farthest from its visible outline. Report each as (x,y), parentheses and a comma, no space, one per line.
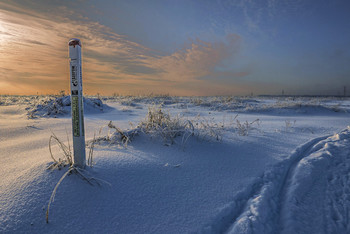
(282,92)
(344,91)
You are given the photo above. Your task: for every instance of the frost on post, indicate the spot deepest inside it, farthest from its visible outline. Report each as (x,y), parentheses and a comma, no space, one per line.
(77,102)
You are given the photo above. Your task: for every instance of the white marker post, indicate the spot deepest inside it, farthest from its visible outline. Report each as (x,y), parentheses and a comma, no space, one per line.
(77,102)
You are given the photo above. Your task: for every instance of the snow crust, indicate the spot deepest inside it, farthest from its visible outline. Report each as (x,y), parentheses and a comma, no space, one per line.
(289,174)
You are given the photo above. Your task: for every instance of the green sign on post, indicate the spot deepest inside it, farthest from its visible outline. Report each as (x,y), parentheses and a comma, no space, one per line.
(75,116)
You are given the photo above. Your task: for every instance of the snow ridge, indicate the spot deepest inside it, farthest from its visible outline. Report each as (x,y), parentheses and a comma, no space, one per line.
(299,194)
(317,196)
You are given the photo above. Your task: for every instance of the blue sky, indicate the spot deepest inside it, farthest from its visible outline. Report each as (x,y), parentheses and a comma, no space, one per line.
(192,47)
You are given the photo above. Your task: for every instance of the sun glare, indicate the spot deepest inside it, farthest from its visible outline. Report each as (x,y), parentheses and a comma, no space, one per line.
(4,33)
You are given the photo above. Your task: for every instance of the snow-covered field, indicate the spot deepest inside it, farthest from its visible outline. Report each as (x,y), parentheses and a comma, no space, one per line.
(230,165)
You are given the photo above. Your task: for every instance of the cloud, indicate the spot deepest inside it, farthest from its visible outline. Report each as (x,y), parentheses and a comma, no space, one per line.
(34,47)
(34,58)
(199,60)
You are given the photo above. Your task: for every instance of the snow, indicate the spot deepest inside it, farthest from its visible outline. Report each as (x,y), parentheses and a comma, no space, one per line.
(288,174)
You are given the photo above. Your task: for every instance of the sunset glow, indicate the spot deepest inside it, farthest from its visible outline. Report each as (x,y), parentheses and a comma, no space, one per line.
(183,48)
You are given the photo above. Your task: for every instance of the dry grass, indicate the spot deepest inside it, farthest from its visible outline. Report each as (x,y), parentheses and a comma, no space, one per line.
(66,160)
(157,123)
(244,128)
(91,152)
(66,152)
(123,136)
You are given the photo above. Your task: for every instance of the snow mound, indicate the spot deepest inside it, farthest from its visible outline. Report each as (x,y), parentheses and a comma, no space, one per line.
(277,105)
(298,108)
(160,125)
(8,100)
(307,193)
(60,106)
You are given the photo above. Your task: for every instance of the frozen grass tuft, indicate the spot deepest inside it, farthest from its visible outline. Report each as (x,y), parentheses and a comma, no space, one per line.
(115,136)
(49,106)
(124,137)
(53,106)
(66,160)
(243,128)
(66,152)
(158,124)
(91,152)
(162,125)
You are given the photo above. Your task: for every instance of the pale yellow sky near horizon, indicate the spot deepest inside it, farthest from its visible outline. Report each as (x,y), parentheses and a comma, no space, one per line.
(179,48)
(34,58)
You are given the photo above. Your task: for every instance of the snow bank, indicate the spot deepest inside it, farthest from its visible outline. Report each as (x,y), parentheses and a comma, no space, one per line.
(267,105)
(317,196)
(307,193)
(278,107)
(162,188)
(60,106)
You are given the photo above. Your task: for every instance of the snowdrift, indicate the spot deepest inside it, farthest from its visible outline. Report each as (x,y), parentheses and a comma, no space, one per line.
(242,183)
(60,106)
(307,193)
(270,105)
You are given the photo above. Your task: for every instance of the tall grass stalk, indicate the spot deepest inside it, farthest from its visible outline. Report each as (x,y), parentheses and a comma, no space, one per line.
(91,151)
(67,153)
(52,197)
(67,161)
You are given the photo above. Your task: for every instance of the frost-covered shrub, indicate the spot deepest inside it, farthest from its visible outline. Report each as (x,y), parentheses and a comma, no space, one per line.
(158,124)
(7,100)
(243,128)
(51,106)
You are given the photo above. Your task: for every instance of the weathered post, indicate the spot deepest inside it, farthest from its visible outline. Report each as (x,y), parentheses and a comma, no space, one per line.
(77,102)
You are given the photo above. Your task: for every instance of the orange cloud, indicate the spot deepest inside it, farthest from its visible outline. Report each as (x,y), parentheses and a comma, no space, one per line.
(34,58)
(198,60)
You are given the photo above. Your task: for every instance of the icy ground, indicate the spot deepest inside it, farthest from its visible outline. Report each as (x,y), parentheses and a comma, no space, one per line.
(287,171)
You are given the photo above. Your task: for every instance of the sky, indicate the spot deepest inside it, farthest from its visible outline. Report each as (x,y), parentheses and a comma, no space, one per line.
(177,47)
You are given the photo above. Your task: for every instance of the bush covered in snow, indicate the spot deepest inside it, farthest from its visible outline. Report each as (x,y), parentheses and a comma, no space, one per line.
(176,129)
(156,124)
(51,106)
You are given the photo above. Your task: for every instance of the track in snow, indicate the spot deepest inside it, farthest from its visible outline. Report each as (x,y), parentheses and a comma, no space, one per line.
(307,193)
